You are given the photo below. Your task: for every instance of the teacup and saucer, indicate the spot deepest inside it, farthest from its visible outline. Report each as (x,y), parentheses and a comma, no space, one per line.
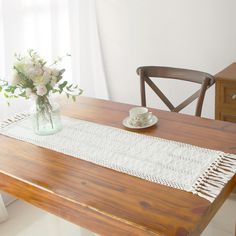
(139,118)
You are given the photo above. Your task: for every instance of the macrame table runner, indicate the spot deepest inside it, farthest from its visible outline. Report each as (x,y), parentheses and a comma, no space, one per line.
(178,165)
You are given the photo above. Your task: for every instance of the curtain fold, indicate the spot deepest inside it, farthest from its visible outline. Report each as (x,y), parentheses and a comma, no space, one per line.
(87,63)
(53,28)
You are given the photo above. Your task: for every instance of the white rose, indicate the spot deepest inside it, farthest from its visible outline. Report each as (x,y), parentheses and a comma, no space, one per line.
(40,80)
(15,79)
(20,66)
(41,90)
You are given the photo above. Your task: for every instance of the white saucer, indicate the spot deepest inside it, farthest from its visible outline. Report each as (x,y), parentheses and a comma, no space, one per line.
(152,122)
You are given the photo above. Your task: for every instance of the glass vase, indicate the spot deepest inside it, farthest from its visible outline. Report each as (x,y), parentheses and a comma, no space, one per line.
(46,116)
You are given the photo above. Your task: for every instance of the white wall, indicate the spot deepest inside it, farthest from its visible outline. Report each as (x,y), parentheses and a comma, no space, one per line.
(196,34)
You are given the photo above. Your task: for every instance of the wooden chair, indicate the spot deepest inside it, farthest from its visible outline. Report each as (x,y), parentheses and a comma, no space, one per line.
(206,80)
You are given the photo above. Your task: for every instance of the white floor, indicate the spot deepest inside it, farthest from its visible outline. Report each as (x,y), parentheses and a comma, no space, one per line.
(26,220)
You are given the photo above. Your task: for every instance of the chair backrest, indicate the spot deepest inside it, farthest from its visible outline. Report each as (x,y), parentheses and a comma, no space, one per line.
(206,80)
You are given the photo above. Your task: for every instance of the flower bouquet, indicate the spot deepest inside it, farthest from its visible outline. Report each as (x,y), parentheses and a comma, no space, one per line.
(34,79)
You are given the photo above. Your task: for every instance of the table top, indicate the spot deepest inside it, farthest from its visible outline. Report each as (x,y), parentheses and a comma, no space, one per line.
(106,201)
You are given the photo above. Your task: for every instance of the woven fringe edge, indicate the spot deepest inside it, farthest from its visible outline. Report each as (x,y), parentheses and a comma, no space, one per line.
(13,119)
(210,184)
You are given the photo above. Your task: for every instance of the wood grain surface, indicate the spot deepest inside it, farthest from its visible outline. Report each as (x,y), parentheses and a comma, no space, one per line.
(105,201)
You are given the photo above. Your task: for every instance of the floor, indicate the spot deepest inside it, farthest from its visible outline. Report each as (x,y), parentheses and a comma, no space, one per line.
(26,220)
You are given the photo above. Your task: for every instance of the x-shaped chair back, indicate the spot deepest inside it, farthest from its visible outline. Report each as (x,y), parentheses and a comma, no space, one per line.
(147,72)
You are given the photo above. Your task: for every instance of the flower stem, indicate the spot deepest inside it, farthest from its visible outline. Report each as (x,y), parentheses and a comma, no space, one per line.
(44,109)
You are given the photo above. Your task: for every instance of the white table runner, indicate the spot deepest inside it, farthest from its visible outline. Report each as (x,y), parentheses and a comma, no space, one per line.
(201,171)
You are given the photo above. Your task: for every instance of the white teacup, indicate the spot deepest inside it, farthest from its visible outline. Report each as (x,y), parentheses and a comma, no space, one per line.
(139,116)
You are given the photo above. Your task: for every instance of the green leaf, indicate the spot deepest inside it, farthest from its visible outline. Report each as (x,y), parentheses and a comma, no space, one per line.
(55,91)
(23,94)
(63,85)
(68,87)
(10,89)
(62,71)
(49,87)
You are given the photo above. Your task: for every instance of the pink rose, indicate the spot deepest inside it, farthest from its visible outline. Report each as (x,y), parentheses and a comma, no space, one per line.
(41,90)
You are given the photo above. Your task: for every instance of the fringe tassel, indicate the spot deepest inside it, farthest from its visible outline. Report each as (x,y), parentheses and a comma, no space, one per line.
(13,119)
(210,184)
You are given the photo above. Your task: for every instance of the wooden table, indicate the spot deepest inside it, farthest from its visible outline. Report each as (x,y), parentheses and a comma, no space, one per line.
(106,201)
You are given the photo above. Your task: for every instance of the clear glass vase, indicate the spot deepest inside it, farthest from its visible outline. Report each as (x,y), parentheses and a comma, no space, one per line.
(46,116)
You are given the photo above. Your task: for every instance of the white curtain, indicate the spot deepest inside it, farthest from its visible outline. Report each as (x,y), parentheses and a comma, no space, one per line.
(53,28)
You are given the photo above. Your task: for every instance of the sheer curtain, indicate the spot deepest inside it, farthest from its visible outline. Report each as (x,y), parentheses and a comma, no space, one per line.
(53,28)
